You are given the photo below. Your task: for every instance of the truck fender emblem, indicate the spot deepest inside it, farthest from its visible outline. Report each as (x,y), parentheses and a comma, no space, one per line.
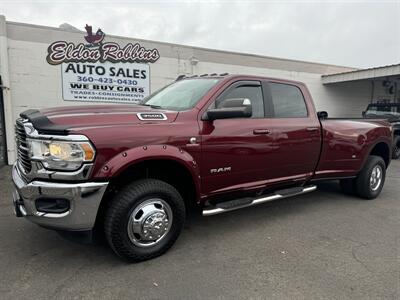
(220,170)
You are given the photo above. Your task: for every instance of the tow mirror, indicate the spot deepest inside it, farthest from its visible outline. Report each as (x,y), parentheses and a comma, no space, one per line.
(322,115)
(230,108)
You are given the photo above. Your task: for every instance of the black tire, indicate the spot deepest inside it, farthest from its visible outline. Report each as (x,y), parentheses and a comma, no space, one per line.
(362,182)
(348,186)
(124,203)
(396,147)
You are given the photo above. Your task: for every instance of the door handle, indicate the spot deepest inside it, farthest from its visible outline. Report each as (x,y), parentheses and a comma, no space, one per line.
(311,129)
(261,131)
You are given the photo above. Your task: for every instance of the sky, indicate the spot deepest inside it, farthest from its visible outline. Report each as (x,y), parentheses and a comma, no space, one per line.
(350,33)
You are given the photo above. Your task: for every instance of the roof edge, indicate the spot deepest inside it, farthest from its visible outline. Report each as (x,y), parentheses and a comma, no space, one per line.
(189,46)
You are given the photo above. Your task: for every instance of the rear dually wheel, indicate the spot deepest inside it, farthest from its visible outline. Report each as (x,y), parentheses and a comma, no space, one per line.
(370,180)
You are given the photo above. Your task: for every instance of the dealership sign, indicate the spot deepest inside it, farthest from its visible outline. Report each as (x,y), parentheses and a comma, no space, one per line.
(105,82)
(97,51)
(102,71)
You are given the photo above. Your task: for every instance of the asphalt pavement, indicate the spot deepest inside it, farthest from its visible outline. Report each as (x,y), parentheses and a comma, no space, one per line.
(322,245)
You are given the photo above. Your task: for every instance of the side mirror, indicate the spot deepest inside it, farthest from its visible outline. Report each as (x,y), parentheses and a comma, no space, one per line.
(230,108)
(322,115)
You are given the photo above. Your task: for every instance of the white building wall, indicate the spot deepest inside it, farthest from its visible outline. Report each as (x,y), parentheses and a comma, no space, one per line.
(36,84)
(350,98)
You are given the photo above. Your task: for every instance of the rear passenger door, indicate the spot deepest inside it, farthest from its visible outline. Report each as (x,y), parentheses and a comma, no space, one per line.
(295,130)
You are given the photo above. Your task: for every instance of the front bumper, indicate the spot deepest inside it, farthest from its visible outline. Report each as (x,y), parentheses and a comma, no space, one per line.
(84,200)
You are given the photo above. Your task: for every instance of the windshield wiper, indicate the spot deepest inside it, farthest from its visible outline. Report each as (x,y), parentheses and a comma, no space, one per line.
(150,105)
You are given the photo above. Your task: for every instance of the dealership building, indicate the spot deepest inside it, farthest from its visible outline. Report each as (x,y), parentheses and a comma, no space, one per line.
(34,77)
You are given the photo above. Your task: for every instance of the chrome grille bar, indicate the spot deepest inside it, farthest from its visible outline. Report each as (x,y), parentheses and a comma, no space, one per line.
(23,151)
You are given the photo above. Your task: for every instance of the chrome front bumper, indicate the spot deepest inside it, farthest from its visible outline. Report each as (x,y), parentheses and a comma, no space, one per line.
(84,199)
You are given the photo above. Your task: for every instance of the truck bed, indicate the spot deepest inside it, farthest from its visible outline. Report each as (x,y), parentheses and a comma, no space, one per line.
(347,142)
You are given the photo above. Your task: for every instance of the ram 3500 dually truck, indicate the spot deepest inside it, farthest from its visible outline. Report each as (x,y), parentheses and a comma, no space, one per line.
(220,143)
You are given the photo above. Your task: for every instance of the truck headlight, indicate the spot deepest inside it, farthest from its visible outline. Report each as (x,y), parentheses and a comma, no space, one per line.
(61,155)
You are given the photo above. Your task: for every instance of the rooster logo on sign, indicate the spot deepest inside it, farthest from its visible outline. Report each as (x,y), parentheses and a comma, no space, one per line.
(94,39)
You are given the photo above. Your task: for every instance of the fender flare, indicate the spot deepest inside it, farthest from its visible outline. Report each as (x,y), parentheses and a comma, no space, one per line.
(382,140)
(125,159)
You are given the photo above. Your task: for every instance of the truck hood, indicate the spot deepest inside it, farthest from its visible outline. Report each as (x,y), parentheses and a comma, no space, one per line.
(63,119)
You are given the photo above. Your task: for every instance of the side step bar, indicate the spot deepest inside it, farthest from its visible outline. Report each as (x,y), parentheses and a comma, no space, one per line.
(246,202)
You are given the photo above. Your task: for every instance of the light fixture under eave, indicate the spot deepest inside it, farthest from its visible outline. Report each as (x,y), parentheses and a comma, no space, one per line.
(194,61)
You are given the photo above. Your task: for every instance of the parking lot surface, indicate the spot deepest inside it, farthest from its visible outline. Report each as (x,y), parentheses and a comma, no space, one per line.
(322,245)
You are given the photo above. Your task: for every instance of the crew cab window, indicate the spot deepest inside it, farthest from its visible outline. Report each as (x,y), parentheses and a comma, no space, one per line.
(287,101)
(253,93)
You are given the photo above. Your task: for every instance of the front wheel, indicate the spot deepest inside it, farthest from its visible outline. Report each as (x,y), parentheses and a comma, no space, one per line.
(370,180)
(144,219)
(396,147)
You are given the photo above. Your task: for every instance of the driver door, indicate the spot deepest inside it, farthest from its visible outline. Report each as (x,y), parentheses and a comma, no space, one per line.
(234,150)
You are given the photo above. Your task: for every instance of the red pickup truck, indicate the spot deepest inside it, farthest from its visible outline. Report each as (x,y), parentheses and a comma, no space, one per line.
(218,142)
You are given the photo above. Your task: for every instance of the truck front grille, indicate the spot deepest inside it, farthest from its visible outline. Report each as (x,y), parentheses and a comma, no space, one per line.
(22,146)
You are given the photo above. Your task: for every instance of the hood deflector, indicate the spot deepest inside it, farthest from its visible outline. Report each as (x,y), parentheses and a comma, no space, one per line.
(42,124)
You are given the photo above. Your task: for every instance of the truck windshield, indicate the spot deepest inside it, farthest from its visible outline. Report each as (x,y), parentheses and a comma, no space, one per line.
(181,95)
(383,109)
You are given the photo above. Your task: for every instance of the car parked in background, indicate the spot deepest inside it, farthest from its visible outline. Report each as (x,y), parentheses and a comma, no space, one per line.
(390,112)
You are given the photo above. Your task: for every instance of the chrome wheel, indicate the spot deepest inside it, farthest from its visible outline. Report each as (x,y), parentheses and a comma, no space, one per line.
(149,222)
(375,179)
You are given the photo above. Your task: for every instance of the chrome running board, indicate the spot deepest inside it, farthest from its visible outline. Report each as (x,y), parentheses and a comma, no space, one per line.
(246,202)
